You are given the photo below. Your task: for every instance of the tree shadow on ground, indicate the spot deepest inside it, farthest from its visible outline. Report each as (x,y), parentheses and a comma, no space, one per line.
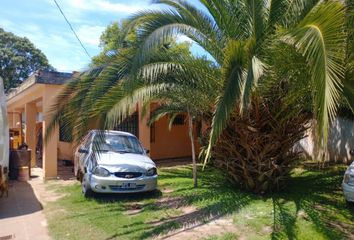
(214,198)
(318,199)
(311,197)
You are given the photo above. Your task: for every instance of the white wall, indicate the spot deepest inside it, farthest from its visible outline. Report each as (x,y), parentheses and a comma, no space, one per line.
(340,141)
(4,131)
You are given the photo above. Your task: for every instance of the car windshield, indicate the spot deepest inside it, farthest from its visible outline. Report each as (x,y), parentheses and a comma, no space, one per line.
(117,143)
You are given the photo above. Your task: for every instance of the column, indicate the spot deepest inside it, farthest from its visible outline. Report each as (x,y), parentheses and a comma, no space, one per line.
(30,136)
(50,143)
(144,129)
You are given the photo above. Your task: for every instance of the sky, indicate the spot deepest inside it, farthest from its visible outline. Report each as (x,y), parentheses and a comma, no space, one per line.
(42,23)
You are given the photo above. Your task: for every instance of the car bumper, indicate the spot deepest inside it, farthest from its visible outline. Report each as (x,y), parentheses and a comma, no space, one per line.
(113,184)
(348,191)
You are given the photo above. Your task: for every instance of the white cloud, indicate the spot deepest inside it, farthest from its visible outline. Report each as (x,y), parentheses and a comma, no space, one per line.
(105,6)
(90,34)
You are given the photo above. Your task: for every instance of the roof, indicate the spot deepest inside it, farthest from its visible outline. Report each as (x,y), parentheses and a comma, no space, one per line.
(41,77)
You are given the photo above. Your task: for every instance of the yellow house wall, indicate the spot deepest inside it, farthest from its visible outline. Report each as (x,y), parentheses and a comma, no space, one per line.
(167,144)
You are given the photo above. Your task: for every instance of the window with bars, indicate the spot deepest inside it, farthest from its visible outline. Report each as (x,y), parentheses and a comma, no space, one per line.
(130,124)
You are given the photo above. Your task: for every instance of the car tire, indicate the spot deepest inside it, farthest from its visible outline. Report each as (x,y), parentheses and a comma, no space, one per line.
(86,188)
(79,175)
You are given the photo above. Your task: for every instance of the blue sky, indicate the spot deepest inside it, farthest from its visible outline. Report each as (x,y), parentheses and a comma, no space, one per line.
(42,23)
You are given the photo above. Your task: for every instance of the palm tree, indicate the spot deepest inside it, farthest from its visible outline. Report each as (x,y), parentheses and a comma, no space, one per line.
(246,40)
(238,35)
(193,96)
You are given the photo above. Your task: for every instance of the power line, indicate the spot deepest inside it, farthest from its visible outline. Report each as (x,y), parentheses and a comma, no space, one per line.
(72,29)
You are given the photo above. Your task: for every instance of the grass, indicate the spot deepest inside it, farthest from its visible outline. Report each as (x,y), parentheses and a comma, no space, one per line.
(312,207)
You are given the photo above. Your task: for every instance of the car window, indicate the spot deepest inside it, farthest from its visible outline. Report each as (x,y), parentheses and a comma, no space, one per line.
(118,143)
(87,140)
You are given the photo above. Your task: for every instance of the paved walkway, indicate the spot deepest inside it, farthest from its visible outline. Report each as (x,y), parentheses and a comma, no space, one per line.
(21,215)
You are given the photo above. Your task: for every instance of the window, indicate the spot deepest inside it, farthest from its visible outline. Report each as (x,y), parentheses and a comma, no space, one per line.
(179,120)
(64,130)
(118,143)
(152,132)
(130,125)
(87,140)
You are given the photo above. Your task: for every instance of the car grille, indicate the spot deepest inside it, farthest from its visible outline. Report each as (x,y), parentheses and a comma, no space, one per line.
(128,174)
(121,189)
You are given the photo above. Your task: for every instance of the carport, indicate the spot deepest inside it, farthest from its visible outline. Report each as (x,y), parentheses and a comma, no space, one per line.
(29,108)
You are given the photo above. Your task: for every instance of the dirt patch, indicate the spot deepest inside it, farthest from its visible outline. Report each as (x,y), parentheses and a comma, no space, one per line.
(133,208)
(267,230)
(215,227)
(303,214)
(193,223)
(188,209)
(170,202)
(46,193)
(342,227)
(167,190)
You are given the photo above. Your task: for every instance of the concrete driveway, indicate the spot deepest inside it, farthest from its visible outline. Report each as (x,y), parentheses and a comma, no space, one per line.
(21,214)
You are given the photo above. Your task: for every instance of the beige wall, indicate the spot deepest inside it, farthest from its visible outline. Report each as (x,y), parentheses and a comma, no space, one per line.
(66,151)
(340,141)
(172,143)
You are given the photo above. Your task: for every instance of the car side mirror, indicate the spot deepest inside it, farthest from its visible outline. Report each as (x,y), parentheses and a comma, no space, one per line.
(147,151)
(83,150)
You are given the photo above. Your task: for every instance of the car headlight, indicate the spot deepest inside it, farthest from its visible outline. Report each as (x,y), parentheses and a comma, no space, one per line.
(101,172)
(151,172)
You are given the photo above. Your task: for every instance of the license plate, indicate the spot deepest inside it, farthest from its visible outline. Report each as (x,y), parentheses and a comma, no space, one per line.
(128,185)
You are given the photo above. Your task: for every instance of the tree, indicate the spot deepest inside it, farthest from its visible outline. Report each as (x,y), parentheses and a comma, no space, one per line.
(246,39)
(116,36)
(252,68)
(19,58)
(193,96)
(108,93)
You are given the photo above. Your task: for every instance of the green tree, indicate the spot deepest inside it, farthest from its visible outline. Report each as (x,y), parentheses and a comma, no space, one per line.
(19,58)
(349,76)
(247,39)
(249,42)
(193,96)
(115,37)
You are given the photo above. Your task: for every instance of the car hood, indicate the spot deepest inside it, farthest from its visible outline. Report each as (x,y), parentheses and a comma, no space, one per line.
(125,162)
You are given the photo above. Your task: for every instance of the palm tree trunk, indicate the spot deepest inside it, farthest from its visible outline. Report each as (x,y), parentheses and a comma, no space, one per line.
(190,126)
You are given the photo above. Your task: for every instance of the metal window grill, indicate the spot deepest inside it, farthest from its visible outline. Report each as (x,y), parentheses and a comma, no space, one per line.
(130,124)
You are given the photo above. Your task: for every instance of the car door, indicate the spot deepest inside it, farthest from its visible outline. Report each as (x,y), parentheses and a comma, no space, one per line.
(79,157)
(84,157)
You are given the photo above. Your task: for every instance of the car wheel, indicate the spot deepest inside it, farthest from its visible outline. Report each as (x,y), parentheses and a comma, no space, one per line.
(86,188)
(79,175)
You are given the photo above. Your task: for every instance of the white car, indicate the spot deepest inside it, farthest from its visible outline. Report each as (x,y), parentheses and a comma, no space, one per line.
(348,183)
(114,162)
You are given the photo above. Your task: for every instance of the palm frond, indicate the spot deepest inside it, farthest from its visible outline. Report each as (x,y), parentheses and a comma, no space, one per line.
(234,74)
(320,37)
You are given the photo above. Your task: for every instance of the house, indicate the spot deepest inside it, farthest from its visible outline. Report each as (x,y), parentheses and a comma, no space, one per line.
(29,109)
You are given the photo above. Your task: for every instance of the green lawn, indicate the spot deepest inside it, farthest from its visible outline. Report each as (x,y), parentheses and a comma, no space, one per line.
(312,207)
